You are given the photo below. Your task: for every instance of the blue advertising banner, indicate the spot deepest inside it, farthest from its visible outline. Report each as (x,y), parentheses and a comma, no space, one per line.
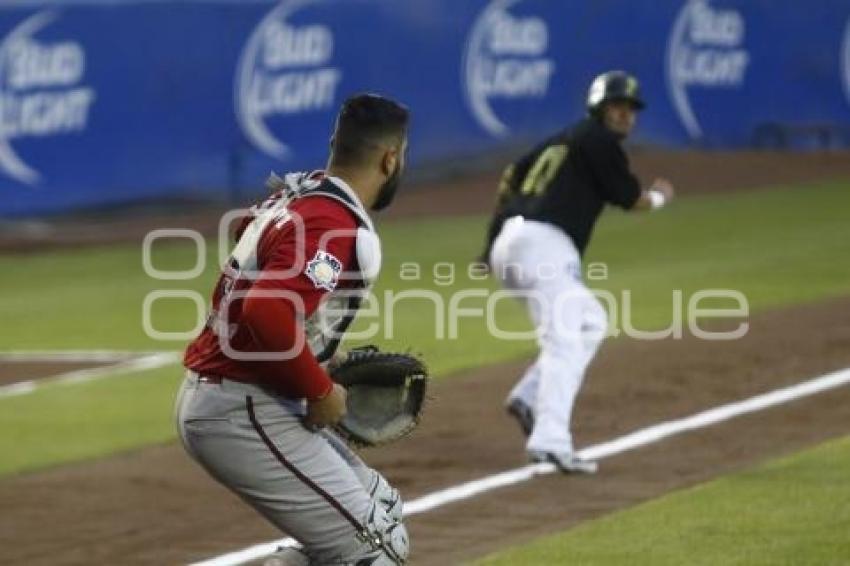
(109,101)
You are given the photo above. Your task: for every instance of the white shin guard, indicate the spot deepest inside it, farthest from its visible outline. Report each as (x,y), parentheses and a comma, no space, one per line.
(388,497)
(387,536)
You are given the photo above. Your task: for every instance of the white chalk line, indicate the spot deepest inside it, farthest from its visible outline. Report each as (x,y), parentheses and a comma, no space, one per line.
(71,356)
(630,441)
(140,363)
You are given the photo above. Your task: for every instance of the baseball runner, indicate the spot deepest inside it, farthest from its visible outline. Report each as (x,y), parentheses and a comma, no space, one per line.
(257,399)
(547,206)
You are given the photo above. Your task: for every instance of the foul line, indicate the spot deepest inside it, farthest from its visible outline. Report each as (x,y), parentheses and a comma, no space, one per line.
(148,361)
(630,441)
(72,356)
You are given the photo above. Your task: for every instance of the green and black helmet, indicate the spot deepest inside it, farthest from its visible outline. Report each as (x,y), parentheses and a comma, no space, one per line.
(611,86)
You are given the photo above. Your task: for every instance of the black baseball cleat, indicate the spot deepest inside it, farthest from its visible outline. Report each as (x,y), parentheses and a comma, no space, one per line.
(523,414)
(566,462)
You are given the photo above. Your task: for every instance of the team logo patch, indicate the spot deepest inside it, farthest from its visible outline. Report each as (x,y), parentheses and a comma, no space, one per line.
(323,270)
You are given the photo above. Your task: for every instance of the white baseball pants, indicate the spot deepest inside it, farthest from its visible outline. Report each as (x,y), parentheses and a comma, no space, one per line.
(539,261)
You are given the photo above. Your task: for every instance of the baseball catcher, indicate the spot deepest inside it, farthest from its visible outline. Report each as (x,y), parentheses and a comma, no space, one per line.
(260,406)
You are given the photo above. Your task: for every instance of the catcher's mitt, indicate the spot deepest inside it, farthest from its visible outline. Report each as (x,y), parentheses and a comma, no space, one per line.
(386,394)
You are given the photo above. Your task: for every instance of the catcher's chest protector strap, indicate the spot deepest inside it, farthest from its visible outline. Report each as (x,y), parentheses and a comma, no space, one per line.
(327,188)
(368,248)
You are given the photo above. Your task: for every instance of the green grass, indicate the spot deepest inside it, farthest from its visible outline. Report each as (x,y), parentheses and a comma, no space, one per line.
(63,423)
(780,247)
(793,512)
(91,298)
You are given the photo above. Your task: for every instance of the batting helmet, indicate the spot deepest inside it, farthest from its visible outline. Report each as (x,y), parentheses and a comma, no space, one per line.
(613,85)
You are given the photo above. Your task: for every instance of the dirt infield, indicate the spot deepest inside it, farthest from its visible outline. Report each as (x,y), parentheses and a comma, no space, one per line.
(690,171)
(154,506)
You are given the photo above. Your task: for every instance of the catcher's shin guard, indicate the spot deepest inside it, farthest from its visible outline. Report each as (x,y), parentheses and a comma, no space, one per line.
(385,495)
(387,539)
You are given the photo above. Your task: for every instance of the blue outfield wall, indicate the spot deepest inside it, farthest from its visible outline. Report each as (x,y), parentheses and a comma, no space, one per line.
(108,101)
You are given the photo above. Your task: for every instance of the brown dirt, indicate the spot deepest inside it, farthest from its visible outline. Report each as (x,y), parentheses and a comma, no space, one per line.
(154,506)
(14,372)
(690,171)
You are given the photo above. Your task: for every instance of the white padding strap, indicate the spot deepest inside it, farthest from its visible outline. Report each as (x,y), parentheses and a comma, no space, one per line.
(368,254)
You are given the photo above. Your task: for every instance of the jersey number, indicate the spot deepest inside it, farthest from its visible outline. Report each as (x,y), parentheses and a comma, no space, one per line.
(543,170)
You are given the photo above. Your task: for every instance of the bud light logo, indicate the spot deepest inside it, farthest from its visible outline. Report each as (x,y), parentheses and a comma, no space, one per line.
(706,49)
(284,70)
(505,59)
(41,91)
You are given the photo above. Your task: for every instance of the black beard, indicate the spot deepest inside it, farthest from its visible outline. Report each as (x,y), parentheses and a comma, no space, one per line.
(387,192)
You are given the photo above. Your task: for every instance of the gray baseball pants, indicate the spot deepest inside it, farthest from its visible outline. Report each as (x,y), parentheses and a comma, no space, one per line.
(308,484)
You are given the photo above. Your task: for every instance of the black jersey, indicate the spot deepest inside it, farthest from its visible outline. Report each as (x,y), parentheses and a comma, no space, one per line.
(566,181)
